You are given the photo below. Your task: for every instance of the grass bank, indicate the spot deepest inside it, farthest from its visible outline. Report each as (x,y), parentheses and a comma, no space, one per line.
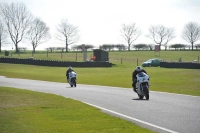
(23,111)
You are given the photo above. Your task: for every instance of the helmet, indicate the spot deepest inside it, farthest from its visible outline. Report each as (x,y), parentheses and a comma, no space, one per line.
(70,68)
(138,68)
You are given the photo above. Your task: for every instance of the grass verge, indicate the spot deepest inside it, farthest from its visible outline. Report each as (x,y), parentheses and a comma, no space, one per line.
(23,111)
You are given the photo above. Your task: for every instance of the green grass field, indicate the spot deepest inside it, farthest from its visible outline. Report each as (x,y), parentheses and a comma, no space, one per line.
(127,57)
(23,111)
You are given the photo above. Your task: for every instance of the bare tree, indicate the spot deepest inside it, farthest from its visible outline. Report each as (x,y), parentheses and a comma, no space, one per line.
(140,46)
(197,46)
(17,19)
(38,33)
(178,46)
(3,35)
(88,46)
(151,46)
(191,33)
(79,47)
(130,33)
(22,48)
(107,47)
(161,35)
(60,48)
(75,47)
(120,47)
(67,33)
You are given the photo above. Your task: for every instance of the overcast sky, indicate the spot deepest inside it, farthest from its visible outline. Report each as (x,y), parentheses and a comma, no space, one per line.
(99,21)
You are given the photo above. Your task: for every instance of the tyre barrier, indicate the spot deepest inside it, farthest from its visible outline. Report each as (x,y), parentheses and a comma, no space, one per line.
(188,65)
(53,62)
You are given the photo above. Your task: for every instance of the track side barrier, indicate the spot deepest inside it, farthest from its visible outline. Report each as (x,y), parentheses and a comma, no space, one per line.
(188,65)
(53,62)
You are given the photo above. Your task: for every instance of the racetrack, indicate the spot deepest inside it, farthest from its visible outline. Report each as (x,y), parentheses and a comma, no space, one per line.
(163,112)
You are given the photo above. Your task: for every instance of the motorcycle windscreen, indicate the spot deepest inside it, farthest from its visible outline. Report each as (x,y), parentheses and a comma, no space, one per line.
(141,74)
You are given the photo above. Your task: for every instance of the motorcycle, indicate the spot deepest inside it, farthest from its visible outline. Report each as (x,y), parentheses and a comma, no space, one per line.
(142,85)
(72,79)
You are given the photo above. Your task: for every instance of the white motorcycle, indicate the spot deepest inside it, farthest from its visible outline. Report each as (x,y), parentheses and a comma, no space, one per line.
(142,85)
(72,79)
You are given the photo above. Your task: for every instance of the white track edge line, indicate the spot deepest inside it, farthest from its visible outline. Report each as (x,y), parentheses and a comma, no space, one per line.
(119,114)
(150,90)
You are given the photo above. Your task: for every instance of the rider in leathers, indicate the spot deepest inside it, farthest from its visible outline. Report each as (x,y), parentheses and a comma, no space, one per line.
(68,71)
(134,79)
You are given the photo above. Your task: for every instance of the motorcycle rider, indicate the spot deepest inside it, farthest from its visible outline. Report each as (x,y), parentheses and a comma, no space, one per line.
(134,79)
(68,71)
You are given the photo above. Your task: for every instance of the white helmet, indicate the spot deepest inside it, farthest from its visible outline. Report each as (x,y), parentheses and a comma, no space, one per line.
(138,68)
(70,68)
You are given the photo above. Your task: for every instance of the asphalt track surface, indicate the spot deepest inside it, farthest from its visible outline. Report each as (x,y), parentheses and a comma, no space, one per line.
(163,112)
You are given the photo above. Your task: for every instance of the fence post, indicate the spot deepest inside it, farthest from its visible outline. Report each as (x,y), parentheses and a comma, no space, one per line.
(180,60)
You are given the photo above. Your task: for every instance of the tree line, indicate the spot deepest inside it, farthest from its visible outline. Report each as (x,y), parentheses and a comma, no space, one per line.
(17,23)
(122,47)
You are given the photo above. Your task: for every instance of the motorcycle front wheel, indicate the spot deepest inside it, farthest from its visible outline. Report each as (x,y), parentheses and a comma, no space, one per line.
(74,83)
(140,97)
(146,92)
(147,96)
